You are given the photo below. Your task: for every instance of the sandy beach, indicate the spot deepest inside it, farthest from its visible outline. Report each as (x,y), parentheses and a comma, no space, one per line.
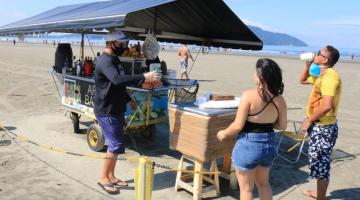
(30,106)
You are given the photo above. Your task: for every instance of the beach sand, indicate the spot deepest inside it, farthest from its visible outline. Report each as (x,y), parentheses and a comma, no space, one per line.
(30,106)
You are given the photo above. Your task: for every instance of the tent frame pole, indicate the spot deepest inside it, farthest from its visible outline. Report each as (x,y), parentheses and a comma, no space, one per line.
(155,22)
(82,47)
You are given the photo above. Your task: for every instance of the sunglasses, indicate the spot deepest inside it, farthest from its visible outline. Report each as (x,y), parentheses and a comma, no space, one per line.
(320,54)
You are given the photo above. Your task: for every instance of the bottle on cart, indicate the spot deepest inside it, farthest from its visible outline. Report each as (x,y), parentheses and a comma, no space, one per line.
(83,68)
(95,61)
(88,67)
(78,68)
(75,65)
(66,66)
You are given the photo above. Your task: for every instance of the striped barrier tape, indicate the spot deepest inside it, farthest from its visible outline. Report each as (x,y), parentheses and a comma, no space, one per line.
(58,150)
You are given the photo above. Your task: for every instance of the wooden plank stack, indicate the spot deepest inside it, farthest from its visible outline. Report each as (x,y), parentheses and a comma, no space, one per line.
(194,135)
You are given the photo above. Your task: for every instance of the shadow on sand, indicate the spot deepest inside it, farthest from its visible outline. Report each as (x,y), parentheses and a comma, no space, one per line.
(283,174)
(345,194)
(9,128)
(210,81)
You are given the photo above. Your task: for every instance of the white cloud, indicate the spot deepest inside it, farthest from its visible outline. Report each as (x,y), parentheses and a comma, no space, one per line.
(260,25)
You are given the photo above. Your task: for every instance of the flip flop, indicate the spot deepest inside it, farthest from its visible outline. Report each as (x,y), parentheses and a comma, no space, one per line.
(310,194)
(120,183)
(106,187)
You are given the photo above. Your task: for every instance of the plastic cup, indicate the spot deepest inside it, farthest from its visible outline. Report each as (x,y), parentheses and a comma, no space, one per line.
(155,67)
(308,56)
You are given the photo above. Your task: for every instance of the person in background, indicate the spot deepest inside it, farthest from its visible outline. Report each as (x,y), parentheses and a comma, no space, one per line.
(110,101)
(260,111)
(321,112)
(14,41)
(184,54)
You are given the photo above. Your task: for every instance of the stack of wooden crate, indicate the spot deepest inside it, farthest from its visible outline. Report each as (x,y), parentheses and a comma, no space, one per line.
(194,135)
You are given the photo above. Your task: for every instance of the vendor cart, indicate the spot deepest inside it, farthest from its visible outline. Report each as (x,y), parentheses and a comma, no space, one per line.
(207,23)
(204,23)
(77,98)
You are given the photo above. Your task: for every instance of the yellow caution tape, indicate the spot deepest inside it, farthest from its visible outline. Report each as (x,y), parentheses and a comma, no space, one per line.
(58,150)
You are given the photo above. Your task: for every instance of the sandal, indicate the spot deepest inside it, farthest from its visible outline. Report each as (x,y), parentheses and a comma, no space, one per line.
(120,183)
(310,194)
(107,187)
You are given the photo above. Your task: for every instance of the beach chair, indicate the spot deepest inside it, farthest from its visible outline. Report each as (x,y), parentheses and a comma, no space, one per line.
(299,140)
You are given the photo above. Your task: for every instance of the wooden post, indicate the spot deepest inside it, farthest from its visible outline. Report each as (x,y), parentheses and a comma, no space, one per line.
(198,178)
(229,172)
(197,181)
(214,168)
(178,174)
(227,163)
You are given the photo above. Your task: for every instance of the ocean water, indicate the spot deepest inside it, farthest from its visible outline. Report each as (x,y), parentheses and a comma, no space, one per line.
(292,51)
(345,53)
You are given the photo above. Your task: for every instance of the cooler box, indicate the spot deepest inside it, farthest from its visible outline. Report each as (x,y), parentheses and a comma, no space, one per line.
(193,131)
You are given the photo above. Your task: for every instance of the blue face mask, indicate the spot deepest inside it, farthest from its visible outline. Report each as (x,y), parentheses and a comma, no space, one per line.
(314,70)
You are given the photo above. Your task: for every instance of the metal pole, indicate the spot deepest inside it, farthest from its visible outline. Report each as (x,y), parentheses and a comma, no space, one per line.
(144,175)
(155,22)
(148,104)
(82,47)
(143,178)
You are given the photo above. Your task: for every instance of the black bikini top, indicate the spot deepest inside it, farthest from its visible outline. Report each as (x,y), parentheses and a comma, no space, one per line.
(260,127)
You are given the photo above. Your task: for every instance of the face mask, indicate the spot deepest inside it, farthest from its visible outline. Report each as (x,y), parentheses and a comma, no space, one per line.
(314,70)
(117,50)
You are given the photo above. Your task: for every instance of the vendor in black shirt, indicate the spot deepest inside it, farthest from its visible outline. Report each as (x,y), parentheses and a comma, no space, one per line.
(110,104)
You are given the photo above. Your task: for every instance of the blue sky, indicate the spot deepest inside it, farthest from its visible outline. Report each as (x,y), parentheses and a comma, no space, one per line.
(318,23)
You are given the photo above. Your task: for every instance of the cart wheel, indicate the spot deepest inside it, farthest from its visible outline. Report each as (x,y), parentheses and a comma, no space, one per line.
(75,120)
(148,132)
(95,138)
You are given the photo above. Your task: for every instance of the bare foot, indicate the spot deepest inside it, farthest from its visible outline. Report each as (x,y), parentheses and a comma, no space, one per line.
(310,194)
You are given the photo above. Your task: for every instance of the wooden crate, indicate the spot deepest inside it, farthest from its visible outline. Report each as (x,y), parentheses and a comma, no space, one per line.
(195,135)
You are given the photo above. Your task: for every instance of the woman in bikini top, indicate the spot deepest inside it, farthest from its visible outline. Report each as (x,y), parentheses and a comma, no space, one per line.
(254,150)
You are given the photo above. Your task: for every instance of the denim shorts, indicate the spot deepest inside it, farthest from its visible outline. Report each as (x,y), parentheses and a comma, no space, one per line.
(253,149)
(112,128)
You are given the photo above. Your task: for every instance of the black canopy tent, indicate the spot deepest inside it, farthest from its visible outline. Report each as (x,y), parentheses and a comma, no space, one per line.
(209,22)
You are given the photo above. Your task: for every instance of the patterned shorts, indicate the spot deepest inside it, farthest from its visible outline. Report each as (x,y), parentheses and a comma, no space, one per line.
(322,141)
(183,65)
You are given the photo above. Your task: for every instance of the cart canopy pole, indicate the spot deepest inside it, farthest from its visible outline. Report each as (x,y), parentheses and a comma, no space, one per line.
(155,22)
(82,47)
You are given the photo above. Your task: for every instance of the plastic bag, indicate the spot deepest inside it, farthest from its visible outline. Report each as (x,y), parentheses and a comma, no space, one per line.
(151,47)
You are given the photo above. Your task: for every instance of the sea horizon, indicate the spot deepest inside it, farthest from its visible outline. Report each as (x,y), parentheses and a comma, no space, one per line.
(272,50)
